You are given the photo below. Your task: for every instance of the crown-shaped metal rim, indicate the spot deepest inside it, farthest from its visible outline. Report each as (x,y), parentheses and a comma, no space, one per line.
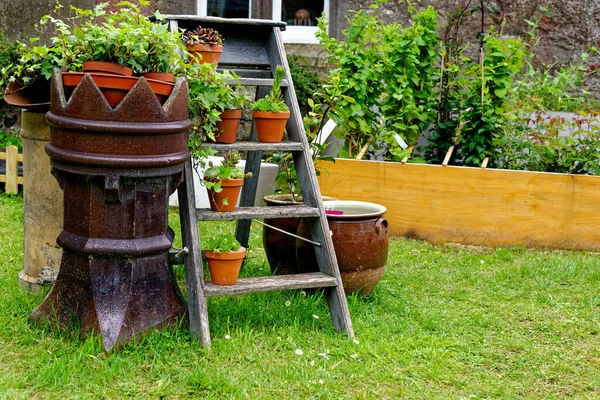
(139,105)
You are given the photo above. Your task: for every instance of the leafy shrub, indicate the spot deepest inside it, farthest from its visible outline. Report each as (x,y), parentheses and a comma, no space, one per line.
(7,139)
(306,81)
(222,243)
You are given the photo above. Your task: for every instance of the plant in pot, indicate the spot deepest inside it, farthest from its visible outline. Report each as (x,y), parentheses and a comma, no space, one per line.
(271,113)
(204,45)
(214,104)
(224,255)
(125,42)
(224,182)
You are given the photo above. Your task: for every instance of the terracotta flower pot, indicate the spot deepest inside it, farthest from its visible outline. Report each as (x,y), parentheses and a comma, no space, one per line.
(227,127)
(115,87)
(34,97)
(270,125)
(225,267)
(205,53)
(104,67)
(160,76)
(230,190)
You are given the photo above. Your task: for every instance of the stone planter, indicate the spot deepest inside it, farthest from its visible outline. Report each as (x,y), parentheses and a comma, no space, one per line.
(117,169)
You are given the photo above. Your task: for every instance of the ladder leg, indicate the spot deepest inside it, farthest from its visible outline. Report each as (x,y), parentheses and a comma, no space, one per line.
(194,276)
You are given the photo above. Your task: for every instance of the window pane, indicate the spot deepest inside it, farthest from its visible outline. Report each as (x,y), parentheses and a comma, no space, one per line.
(301,12)
(228,8)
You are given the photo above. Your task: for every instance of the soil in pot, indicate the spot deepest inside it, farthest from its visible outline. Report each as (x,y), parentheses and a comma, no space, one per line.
(205,53)
(360,240)
(270,126)
(225,267)
(227,127)
(226,199)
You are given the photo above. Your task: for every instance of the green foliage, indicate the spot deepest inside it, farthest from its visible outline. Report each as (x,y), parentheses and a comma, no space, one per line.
(202,35)
(274,101)
(227,170)
(222,243)
(7,139)
(123,36)
(386,79)
(210,93)
(306,81)
(10,53)
(409,71)
(482,114)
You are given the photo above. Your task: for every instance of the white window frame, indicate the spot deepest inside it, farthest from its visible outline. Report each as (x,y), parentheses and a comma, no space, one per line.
(202,5)
(297,34)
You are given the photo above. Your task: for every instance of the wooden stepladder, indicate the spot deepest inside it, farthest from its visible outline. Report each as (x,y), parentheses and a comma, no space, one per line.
(253,48)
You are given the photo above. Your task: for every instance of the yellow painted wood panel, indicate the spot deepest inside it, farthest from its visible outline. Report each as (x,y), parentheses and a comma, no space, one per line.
(473,205)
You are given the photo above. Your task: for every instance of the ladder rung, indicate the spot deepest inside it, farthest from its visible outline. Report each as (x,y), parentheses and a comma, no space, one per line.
(269,283)
(256,146)
(299,211)
(256,82)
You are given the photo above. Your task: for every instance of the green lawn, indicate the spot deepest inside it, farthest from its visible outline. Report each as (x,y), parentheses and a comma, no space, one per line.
(445,322)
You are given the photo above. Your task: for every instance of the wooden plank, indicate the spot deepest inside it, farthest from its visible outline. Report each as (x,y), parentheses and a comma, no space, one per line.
(256,82)
(12,170)
(300,211)
(20,157)
(194,275)
(487,207)
(448,155)
(257,146)
(271,283)
(244,22)
(3,155)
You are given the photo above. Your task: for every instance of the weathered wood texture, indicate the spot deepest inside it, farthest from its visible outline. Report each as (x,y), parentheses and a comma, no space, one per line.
(194,276)
(475,206)
(240,213)
(256,146)
(270,283)
(11,178)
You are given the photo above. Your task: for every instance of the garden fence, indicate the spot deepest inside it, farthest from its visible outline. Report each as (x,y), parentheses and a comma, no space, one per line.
(11,178)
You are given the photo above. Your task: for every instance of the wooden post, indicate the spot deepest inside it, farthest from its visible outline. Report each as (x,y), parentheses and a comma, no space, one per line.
(12,170)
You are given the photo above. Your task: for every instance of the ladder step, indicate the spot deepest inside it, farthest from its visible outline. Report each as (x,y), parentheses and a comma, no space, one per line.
(256,82)
(269,283)
(206,214)
(256,146)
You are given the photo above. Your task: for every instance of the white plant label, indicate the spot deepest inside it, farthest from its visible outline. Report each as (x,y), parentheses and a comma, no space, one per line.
(400,142)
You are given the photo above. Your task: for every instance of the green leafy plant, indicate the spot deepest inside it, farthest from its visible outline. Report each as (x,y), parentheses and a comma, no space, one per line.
(222,243)
(6,139)
(202,35)
(274,101)
(306,81)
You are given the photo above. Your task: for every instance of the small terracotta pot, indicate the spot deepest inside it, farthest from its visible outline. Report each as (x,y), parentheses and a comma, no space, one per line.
(104,67)
(160,76)
(227,127)
(115,87)
(225,267)
(205,53)
(230,190)
(270,125)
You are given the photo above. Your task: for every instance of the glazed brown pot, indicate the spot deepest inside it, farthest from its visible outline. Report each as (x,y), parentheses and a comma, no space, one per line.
(205,53)
(270,126)
(280,248)
(115,87)
(227,127)
(360,240)
(104,67)
(225,267)
(160,76)
(230,191)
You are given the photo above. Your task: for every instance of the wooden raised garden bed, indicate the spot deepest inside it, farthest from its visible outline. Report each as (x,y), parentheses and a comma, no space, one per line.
(474,205)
